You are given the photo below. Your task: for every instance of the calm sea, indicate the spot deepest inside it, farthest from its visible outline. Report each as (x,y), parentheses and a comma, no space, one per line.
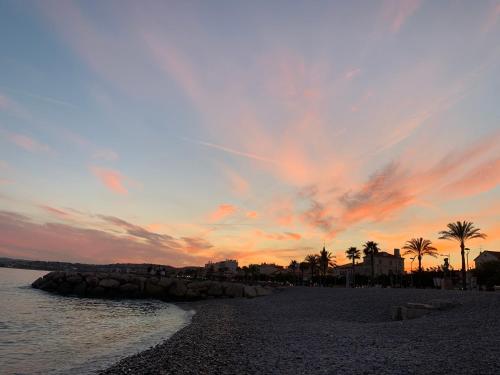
(42,333)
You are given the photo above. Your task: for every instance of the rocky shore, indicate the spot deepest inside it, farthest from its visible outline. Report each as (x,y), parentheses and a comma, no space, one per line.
(330,331)
(122,285)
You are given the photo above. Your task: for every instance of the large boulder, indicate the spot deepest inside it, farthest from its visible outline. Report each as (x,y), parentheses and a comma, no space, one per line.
(98,291)
(109,283)
(178,289)
(201,286)
(38,282)
(73,278)
(49,285)
(233,290)
(92,281)
(129,288)
(80,289)
(261,291)
(215,290)
(154,290)
(165,282)
(65,288)
(192,294)
(140,282)
(249,291)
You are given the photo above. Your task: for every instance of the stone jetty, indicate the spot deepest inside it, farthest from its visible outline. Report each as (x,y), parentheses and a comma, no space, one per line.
(121,285)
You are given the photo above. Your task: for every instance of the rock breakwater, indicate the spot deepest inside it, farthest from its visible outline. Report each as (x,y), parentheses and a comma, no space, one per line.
(120,285)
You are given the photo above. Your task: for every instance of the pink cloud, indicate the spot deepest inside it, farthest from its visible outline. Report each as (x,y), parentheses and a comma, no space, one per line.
(55,211)
(22,238)
(397,12)
(224,210)
(480,179)
(350,74)
(112,179)
(492,18)
(28,144)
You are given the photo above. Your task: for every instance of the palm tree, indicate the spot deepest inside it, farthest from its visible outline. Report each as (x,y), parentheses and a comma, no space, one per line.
(371,248)
(293,266)
(313,262)
(353,253)
(325,260)
(461,231)
(303,266)
(254,271)
(418,247)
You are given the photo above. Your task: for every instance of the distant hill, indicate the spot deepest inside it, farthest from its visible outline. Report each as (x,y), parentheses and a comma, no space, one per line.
(82,267)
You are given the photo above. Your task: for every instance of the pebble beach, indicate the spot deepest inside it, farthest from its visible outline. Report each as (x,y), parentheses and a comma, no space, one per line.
(303,330)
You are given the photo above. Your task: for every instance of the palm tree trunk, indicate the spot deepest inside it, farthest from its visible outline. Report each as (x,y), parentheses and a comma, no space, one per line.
(462,252)
(420,271)
(373,269)
(353,273)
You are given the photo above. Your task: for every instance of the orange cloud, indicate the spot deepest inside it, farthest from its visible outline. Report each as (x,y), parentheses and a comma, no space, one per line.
(278,236)
(112,179)
(252,214)
(224,210)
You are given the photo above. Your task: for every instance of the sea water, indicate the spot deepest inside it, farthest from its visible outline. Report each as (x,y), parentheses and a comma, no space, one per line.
(42,333)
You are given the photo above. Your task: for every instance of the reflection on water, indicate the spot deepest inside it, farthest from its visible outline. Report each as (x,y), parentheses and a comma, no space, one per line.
(42,333)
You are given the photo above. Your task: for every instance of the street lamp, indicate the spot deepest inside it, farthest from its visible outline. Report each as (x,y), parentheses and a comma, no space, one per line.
(467,252)
(411,264)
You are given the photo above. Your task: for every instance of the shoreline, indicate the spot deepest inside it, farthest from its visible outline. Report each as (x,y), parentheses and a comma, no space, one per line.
(326,330)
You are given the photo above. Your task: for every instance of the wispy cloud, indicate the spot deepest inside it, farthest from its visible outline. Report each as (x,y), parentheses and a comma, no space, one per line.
(112,179)
(397,12)
(29,144)
(232,151)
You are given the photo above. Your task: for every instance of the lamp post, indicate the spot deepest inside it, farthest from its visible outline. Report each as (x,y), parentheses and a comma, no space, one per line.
(467,250)
(411,269)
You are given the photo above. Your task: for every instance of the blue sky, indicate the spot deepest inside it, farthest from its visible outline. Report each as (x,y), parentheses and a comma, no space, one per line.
(179,132)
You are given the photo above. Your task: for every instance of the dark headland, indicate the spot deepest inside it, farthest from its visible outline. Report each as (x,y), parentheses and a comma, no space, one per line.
(303,330)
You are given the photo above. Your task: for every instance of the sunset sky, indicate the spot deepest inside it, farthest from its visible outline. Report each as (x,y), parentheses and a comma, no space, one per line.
(177,132)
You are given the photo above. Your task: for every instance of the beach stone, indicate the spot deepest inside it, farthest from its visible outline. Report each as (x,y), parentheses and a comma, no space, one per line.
(200,285)
(153,280)
(109,283)
(165,282)
(38,282)
(140,282)
(413,305)
(249,291)
(154,290)
(413,313)
(215,290)
(233,290)
(192,294)
(65,288)
(49,285)
(74,278)
(396,313)
(261,291)
(129,288)
(98,291)
(92,281)
(80,288)
(442,304)
(177,289)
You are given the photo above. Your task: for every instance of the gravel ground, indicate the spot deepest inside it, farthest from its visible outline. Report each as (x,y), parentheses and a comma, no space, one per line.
(330,331)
